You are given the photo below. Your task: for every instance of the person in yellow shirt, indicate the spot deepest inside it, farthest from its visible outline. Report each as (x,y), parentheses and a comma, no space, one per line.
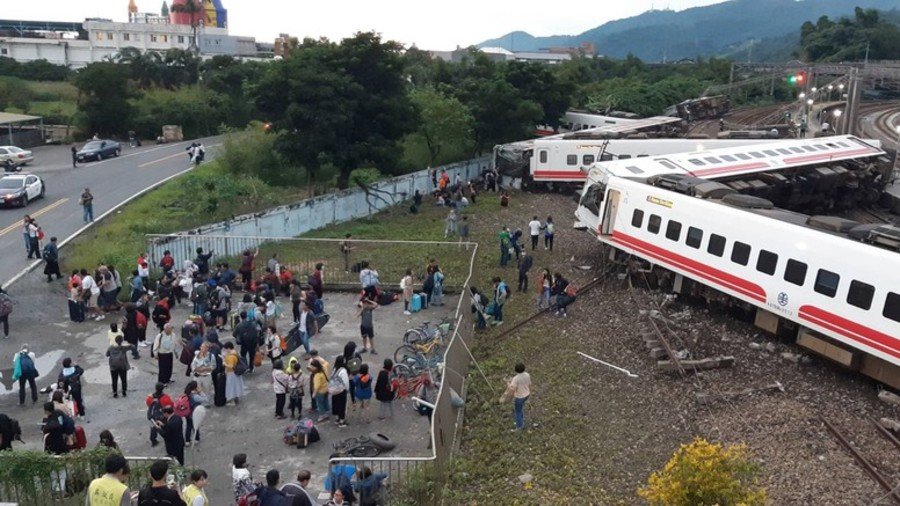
(195,493)
(320,388)
(110,489)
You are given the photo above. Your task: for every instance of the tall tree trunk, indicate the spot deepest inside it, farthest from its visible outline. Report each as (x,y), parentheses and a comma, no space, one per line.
(343,181)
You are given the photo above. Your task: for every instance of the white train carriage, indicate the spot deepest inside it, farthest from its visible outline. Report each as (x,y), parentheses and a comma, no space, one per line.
(571,161)
(837,296)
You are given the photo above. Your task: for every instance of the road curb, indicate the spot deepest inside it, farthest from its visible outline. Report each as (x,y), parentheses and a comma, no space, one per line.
(100,218)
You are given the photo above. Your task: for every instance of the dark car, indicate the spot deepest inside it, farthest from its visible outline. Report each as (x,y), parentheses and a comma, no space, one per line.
(98,150)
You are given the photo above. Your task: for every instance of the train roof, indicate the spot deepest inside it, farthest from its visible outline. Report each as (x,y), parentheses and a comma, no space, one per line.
(736,161)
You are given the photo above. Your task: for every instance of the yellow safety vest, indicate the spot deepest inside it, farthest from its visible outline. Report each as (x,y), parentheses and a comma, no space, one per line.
(192,492)
(106,491)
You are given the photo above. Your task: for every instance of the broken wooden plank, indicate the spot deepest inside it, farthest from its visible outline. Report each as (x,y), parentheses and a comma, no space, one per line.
(696,365)
(658,353)
(889,397)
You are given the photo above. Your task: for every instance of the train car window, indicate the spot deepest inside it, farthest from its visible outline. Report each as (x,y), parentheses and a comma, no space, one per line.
(605,157)
(892,307)
(634,169)
(742,156)
(712,159)
(831,144)
(843,144)
(783,151)
(543,156)
(808,148)
(797,150)
(728,158)
(757,154)
(795,272)
(740,253)
(593,197)
(826,283)
(819,146)
(653,224)
(637,219)
(571,159)
(673,230)
(766,262)
(694,237)
(624,157)
(770,152)
(642,156)
(860,294)
(587,159)
(716,245)
(696,161)
(667,164)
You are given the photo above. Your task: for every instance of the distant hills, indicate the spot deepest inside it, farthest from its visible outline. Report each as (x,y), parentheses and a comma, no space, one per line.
(729,28)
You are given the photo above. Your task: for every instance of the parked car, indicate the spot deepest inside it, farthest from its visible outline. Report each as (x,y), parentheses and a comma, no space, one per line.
(19,189)
(98,150)
(12,155)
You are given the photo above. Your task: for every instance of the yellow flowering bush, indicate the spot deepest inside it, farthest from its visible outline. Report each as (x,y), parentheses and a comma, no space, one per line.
(704,474)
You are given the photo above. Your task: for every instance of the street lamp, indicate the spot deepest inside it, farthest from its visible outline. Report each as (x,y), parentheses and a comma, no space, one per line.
(837,117)
(801,96)
(830,87)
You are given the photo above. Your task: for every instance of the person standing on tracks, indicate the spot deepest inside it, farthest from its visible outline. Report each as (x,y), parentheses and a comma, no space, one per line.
(525,263)
(534,227)
(549,230)
(87,205)
(519,390)
(505,246)
(501,295)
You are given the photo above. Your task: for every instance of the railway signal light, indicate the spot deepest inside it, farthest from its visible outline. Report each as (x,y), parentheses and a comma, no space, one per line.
(797,79)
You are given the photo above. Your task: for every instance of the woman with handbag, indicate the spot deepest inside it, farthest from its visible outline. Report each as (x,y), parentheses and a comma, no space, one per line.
(281,385)
(338,386)
(234,382)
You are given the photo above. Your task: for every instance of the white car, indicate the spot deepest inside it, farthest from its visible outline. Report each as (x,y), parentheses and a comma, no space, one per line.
(17,156)
(19,189)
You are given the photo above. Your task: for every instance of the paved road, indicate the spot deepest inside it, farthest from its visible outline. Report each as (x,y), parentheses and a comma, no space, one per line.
(111,181)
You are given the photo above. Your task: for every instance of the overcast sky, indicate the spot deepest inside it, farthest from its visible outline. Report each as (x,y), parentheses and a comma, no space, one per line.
(430,25)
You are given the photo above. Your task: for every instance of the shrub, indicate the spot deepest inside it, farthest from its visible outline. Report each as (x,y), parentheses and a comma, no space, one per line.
(703,473)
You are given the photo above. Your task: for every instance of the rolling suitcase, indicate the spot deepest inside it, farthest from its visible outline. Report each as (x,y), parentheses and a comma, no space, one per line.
(416,305)
(80,438)
(424,297)
(76,311)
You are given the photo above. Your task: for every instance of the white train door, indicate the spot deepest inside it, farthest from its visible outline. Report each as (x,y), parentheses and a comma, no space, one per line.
(610,213)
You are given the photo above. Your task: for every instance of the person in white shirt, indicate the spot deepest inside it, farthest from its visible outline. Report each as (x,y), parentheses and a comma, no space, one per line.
(91,291)
(519,389)
(534,226)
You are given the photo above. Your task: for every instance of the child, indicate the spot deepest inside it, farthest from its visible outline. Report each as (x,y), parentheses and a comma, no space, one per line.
(406,285)
(362,382)
(366,325)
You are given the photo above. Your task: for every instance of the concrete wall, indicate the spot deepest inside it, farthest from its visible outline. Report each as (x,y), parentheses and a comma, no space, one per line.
(295,219)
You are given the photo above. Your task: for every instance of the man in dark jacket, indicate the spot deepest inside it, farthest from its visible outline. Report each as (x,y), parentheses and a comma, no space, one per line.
(246,334)
(54,440)
(70,380)
(271,496)
(202,261)
(51,257)
(525,263)
(172,430)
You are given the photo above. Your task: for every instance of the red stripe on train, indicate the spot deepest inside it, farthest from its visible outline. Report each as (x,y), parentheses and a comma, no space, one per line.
(828,156)
(716,276)
(730,168)
(571,174)
(851,330)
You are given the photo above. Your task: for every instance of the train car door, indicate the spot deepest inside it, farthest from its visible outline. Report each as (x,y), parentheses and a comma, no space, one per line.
(609,214)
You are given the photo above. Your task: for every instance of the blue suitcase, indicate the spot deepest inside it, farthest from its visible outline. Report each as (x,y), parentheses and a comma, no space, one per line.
(425,298)
(416,305)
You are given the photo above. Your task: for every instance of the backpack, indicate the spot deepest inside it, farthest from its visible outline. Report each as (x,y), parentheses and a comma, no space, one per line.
(68,425)
(26,365)
(199,293)
(6,305)
(154,411)
(249,499)
(335,385)
(240,367)
(282,343)
(353,364)
(318,307)
(571,291)
(183,406)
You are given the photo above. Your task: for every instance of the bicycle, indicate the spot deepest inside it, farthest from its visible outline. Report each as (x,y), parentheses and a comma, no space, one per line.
(363,446)
(406,386)
(428,332)
(433,347)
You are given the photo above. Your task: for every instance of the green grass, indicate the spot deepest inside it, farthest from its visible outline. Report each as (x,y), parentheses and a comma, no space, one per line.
(205,195)
(53,111)
(53,90)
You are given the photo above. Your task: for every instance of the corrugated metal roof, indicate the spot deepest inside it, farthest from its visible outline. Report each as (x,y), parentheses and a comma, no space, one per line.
(8,117)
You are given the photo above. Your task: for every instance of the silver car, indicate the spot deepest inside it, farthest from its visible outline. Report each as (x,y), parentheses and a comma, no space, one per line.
(17,156)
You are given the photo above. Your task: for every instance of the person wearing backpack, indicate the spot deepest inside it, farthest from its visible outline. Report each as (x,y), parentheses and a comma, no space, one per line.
(119,366)
(548,229)
(362,387)
(565,293)
(163,349)
(501,295)
(187,405)
(338,387)
(234,370)
(24,370)
(297,385)
(6,307)
(275,344)
(70,379)
(51,260)
(156,402)
(385,391)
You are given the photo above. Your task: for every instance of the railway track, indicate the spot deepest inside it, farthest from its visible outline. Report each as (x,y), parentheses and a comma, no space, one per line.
(878,120)
(891,490)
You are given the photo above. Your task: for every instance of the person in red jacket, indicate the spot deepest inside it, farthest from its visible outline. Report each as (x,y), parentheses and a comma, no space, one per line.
(155,404)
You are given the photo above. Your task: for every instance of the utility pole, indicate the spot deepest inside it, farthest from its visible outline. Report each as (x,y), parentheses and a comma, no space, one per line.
(853,96)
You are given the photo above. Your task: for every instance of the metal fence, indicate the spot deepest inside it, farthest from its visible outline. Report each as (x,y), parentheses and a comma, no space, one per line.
(301,217)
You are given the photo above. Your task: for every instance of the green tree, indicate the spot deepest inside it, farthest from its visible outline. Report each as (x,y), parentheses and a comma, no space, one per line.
(198,110)
(538,83)
(103,97)
(445,123)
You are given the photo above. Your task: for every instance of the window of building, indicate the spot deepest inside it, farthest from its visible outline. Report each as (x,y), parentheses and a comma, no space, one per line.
(154,38)
(126,36)
(99,36)
(165,38)
(766,262)
(4,51)
(795,272)
(543,156)
(740,253)
(892,307)
(637,218)
(826,283)
(191,40)
(181,39)
(587,159)
(694,237)
(673,230)
(571,159)
(109,36)
(860,294)
(716,245)
(653,224)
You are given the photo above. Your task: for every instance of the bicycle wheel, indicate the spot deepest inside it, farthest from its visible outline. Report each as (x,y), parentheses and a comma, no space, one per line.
(413,336)
(403,353)
(402,371)
(366,450)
